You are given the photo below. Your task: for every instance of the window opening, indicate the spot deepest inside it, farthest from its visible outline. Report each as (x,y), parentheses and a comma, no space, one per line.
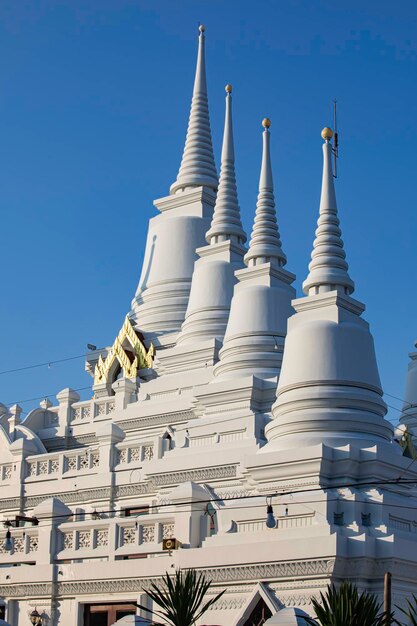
(135,511)
(259,614)
(107,614)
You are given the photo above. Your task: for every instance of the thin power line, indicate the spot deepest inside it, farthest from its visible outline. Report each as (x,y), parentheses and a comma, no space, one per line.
(287,504)
(46,395)
(267,495)
(45,364)
(397,398)
(81,356)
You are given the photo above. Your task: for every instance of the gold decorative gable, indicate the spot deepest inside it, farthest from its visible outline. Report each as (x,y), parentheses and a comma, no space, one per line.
(128,351)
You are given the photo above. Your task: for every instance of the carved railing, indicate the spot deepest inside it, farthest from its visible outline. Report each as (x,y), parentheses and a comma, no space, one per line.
(89,410)
(290,521)
(55,465)
(114,537)
(135,453)
(25,546)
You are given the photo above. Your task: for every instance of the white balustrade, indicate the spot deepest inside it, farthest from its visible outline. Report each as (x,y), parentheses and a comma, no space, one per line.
(25,546)
(91,409)
(114,537)
(50,466)
(135,453)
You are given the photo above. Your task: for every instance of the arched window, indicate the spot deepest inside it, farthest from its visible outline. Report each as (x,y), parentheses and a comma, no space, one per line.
(211,521)
(167,442)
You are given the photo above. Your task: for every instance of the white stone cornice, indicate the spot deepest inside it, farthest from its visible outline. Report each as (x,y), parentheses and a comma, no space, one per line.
(326,299)
(264,270)
(190,197)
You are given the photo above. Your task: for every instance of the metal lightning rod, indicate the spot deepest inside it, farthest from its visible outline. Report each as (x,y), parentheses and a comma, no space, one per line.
(336,139)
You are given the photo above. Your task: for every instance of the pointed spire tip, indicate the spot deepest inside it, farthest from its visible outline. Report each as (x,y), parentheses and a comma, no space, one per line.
(197,167)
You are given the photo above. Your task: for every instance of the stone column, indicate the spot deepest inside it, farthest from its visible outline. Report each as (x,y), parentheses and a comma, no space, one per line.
(125,392)
(108,434)
(50,513)
(66,399)
(188,523)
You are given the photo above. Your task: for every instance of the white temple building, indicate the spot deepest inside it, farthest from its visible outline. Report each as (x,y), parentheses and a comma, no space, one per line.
(222,393)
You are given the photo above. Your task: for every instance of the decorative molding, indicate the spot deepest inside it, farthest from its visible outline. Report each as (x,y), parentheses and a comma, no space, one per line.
(81,440)
(105,493)
(10,504)
(132,490)
(156,420)
(91,587)
(289,486)
(70,497)
(227,604)
(295,584)
(234,493)
(265,571)
(322,568)
(32,590)
(219,575)
(197,475)
(295,600)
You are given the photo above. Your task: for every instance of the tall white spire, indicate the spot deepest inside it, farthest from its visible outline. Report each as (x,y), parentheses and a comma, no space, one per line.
(261,305)
(197,167)
(329,390)
(226,222)
(214,272)
(328,266)
(265,243)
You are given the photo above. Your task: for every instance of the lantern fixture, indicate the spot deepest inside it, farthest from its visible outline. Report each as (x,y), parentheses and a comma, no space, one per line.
(35,618)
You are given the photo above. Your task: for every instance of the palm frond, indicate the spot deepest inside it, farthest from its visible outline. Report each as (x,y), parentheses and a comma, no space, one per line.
(410,611)
(346,607)
(180,598)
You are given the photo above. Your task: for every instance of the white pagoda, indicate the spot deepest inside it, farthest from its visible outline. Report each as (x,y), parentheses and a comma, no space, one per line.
(223,395)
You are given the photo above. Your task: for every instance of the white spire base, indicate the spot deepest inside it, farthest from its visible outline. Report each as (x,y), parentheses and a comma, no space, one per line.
(211,292)
(254,340)
(158,308)
(329,389)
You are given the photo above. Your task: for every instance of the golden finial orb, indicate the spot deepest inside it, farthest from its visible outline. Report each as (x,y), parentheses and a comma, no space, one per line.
(228,88)
(201,28)
(266,122)
(327,133)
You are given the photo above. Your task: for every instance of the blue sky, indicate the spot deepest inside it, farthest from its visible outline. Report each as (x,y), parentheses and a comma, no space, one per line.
(94,102)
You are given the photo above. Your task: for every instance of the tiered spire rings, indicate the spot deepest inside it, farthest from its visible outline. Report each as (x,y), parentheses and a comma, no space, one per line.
(328,266)
(265,243)
(197,166)
(226,222)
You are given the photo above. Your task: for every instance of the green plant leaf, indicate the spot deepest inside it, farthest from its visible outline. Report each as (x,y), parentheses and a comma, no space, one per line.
(179,598)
